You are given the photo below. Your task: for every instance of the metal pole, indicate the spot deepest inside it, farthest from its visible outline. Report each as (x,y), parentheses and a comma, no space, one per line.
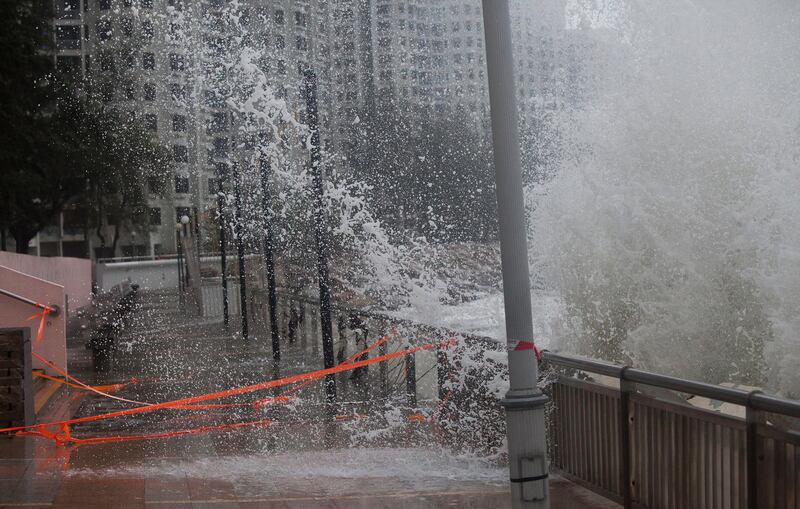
(186,275)
(222,248)
(180,266)
(411,380)
(524,403)
(269,262)
(239,230)
(626,388)
(320,232)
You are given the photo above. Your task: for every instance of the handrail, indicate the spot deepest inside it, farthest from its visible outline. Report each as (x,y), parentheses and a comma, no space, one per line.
(51,309)
(752,399)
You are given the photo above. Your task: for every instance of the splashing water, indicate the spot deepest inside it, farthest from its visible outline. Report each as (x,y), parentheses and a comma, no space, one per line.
(669,225)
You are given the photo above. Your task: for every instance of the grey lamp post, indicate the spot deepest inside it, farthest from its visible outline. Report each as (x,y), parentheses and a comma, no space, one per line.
(524,403)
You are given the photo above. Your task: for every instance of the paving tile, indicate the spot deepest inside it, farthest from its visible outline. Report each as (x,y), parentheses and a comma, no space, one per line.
(36,490)
(13,468)
(210,489)
(216,505)
(111,492)
(7,487)
(166,489)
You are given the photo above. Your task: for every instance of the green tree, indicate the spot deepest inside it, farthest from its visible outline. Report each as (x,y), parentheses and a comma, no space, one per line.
(432,177)
(65,145)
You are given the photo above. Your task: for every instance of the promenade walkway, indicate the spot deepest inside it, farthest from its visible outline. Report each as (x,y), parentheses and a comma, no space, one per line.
(365,455)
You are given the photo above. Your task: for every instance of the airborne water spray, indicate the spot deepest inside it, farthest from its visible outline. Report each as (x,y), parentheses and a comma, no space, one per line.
(669,227)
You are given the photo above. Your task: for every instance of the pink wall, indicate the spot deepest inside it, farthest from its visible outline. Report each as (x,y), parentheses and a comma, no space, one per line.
(14,314)
(74,274)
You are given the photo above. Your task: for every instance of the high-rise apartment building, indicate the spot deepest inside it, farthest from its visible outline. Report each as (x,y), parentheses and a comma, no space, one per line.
(168,63)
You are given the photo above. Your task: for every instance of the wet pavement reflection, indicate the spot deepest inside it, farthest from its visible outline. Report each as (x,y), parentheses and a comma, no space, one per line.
(362,453)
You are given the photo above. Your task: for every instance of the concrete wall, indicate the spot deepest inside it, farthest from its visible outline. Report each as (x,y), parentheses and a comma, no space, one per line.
(74,274)
(13,314)
(148,274)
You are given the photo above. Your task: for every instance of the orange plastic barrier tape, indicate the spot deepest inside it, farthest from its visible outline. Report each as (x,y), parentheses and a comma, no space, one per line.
(106,388)
(282,396)
(46,310)
(312,375)
(99,389)
(64,438)
(83,385)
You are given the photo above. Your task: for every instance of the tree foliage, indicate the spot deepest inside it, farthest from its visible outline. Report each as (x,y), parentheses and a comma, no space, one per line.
(431,177)
(65,146)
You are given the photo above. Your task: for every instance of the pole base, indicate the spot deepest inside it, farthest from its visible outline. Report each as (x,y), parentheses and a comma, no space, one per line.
(523,400)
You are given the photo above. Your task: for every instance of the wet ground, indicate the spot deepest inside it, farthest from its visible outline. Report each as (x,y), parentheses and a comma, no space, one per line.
(365,452)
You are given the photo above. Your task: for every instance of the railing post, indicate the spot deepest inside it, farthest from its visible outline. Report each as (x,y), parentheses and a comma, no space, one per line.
(626,388)
(269,261)
(238,228)
(320,231)
(753,418)
(411,379)
(441,370)
(383,372)
(222,247)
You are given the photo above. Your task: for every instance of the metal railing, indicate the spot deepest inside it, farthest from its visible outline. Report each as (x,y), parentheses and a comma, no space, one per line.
(636,442)
(646,451)
(52,309)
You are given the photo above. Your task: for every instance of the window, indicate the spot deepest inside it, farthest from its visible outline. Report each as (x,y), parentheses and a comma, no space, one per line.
(280,42)
(107,92)
(180,153)
(68,9)
(151,121)
(68,37)
(301,43)
(220,147)
(129,91)
(212,99)
(178,122)
(178,91)
(126,25)
(129,60)
(68,64)
(86,32)
(106,61)
(177,62)
(281,67)
(155,216)
(155,186)
(147,30)
(149,92)
(181,185)
(148,61)
(104,29)
(278,17)
(299,18)
(146,4)
(216,123)
(104,4)
(177,4)
(213,184)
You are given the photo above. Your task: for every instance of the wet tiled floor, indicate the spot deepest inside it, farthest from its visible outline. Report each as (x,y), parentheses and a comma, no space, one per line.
(307,459)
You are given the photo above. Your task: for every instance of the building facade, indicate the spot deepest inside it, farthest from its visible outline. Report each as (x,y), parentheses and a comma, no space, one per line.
(168,62)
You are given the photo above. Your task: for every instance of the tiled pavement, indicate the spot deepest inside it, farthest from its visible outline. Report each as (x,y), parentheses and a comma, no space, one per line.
(202,470)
